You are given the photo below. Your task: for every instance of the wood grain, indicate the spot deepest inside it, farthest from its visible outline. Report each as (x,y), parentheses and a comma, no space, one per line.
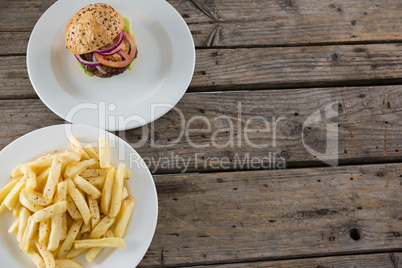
(261,68)
(252,68)
(384,260)
(19,117)
(218,217)
(258,22)
(210,135)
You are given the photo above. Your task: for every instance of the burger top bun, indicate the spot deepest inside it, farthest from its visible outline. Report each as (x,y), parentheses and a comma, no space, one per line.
(92,27)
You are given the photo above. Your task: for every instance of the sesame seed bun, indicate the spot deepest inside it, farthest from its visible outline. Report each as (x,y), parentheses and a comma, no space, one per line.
(92,27)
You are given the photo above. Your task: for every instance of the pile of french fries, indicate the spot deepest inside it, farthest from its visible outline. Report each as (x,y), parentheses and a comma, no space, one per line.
(67,204)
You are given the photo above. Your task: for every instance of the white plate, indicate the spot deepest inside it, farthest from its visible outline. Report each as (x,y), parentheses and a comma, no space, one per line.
(141,186)
(160,77)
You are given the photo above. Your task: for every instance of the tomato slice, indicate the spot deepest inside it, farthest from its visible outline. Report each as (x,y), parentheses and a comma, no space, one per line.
(128,57)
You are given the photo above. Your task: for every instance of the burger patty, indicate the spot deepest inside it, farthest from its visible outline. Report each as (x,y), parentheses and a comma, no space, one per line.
(110,71)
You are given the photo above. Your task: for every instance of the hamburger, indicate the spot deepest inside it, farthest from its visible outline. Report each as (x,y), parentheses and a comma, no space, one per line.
(101,40)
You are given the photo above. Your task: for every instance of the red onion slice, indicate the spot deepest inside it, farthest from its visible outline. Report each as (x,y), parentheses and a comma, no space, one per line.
(99,67)
(113,47)
(85,62)
(109,53)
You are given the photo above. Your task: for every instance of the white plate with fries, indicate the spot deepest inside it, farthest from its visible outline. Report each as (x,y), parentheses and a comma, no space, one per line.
(74,196)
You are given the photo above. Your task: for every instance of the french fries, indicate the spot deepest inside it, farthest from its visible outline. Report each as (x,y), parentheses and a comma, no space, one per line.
(53,179)
(79,201)
(87,187)
(125,215)
(117,193)
(107,191)
(36,258)
(65,263)
(109,242)
(68,203)
(50,211)
(94,252)
(71,236)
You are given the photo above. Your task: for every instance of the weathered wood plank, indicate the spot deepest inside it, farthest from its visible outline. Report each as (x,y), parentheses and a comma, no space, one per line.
(296,66)
(14,78)
(290,22)
(261,68)
(13,43)
(217,217)
(210,135)
(21,15)
(213,132)
(19,117)
(258,22)
(384,260)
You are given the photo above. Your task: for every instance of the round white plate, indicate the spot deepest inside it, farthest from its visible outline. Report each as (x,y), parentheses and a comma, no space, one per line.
(160,77)
(140,185)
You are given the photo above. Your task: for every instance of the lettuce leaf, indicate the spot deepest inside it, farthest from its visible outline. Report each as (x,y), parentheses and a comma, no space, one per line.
(85,70)
(127,28)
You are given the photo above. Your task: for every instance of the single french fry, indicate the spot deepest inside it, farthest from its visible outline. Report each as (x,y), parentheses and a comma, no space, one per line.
(71,236)
(91,151)
(26,203)
(72,209)
(35,198)
(102,227)
(55,232)
(94,252)
(76,168)
(94,209)
(94,172)
(12,197)
(6,189)
(22,224)
(36,258)
(79,201)
(87,187)
(117,192)
(29,233)
(97,181)
(50,211)
(65,263)
(46,255)
(44,230)
(31,177)
(64,228)
(53,179)
(41,179)
(104,155)
(78,148)
(61,194)
(107,191)
(125,215)
(86,228)
(14,226)
(73,253)
(110,242)
(16,209)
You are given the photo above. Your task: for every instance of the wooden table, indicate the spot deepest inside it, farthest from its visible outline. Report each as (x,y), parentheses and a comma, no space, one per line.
(259,61)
